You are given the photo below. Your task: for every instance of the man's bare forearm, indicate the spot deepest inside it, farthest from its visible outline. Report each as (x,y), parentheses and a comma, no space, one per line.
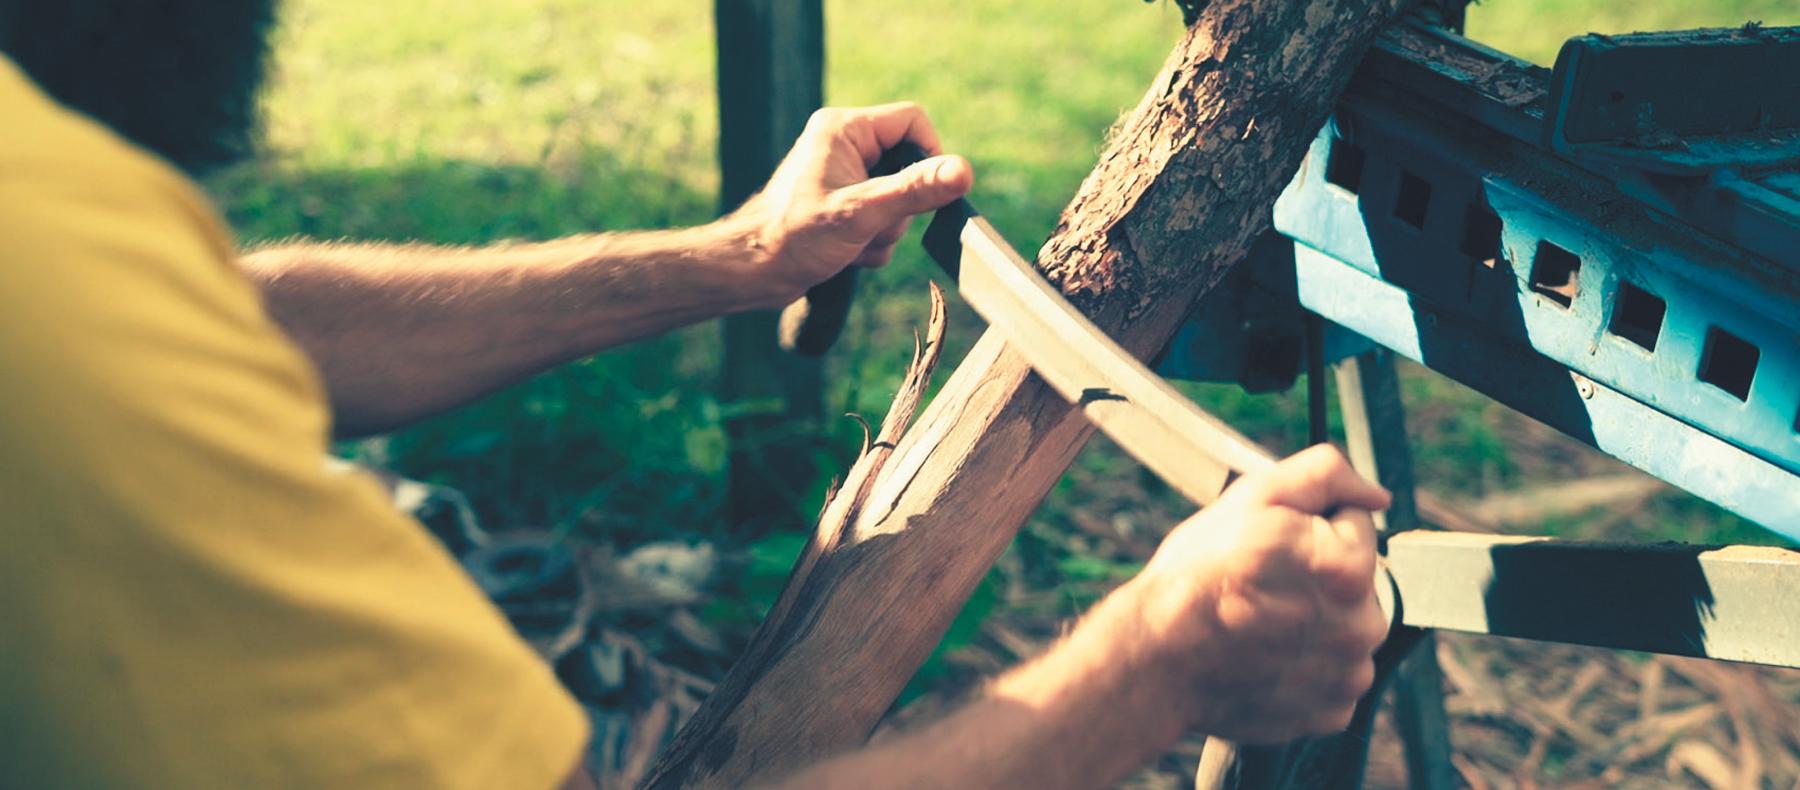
(1081,716)
(401,332)
(1254,622)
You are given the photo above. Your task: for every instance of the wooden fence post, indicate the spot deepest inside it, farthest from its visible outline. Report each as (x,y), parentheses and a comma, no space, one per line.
(771,79)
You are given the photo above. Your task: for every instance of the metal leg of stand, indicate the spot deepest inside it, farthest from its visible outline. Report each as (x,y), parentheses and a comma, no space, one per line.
(1230,766)
(1375,427)
(1375,424)
(1420,718)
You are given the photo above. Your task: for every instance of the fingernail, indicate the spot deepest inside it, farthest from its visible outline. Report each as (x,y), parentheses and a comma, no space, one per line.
(937,172)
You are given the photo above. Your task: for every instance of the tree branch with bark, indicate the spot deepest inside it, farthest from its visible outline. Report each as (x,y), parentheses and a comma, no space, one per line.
(1184,187)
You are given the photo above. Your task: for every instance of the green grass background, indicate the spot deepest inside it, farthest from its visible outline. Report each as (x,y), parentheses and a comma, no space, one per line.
(473,121)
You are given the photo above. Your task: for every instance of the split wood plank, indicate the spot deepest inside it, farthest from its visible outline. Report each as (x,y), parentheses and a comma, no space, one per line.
(1185,187)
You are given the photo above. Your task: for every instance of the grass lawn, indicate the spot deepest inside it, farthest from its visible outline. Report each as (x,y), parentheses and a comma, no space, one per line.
(1536,29)
(472,122)
(466,123)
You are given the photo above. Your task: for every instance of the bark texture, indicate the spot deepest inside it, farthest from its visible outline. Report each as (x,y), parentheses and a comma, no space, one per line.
(1185,186)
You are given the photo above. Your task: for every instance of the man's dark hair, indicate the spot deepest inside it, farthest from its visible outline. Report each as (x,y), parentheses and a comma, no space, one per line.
(178,77)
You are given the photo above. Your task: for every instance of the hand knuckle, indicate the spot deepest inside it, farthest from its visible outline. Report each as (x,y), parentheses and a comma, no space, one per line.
(1332,463)
(1349,645)
(1375,633)
(840,214)
(875,257)
(1358,680)
(1331,721)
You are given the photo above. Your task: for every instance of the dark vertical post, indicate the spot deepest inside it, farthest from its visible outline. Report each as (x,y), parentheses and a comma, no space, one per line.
(771,79)
(1375,425)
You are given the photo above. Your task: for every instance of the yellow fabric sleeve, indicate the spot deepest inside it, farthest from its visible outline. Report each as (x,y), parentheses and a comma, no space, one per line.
(188,598)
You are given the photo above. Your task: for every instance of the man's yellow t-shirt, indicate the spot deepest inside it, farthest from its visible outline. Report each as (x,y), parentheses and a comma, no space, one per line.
(188,597)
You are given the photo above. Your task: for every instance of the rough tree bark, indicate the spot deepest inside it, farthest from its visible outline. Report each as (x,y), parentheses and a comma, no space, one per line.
(1185,186)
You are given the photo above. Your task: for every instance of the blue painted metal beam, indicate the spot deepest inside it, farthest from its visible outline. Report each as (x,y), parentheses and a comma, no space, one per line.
(1523,379)
(1654,316)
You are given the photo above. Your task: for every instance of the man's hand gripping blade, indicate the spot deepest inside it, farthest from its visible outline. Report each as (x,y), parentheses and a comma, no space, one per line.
(1195,452)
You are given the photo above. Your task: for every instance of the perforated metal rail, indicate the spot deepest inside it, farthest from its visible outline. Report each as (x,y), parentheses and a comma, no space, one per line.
(1645,300)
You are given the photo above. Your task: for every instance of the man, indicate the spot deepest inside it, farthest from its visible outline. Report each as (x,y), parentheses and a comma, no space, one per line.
(189,597)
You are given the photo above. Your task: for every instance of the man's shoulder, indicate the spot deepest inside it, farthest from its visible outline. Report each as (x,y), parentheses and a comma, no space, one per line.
(41,131)
(54,158)
(83,211)
(113,266)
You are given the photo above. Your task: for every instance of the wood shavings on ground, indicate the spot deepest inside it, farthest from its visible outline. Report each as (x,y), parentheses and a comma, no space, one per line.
(626,634)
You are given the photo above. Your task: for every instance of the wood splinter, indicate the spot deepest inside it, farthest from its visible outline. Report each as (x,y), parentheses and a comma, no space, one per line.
(1184,187)
(817,572)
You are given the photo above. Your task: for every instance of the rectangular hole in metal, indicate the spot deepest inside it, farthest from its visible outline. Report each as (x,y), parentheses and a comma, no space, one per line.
(1345,168)
(1553,273)
(1413,197)
(1729,362)
(1638,316)
(1481,235)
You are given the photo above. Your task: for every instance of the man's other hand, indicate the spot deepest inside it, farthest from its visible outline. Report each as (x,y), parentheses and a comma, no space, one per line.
(821,211)
(1262,607)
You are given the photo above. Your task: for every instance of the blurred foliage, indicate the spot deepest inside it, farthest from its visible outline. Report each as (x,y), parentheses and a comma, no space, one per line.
(469,123)
(1536,29)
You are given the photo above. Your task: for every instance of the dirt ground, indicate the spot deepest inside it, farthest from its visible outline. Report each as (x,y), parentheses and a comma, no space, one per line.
(1537,716)
(1523,715)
